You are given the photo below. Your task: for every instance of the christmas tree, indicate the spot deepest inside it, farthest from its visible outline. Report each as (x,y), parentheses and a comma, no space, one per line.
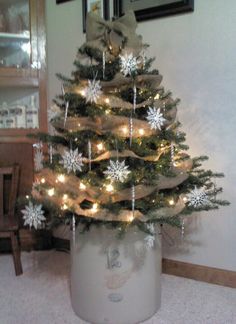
(117,156)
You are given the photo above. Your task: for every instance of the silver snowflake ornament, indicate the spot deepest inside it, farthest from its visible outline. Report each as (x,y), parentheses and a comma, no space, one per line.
(33,215)
(38,160)
(128,64)
(72,160)
(149,241)
(155,118)
(197,197)
(93,91)
(117,171)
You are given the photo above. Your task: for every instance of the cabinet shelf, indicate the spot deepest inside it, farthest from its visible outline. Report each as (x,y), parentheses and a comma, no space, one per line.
(6,37)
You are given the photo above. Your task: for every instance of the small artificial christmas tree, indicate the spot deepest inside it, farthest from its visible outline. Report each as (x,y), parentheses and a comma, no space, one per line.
(117,156)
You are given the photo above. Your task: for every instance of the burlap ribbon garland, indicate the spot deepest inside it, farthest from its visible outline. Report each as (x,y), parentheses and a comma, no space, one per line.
(114,33)
(97,194)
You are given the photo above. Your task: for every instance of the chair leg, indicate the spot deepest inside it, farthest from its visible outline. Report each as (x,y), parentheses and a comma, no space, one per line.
(16,253)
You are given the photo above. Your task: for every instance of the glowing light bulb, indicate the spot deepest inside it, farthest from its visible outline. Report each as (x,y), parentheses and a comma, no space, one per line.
(185,199)
(82,92)
(78,124)
(171,202)
(27,197)
(125,130)
(51,192)
(82,186)
(100,146)
(130,218)
(107,100)
(64,207)
(141,131)
(61,178)
(157,96)
(43,180)
(94,208)
(109,188)
(107,112)
(65,197)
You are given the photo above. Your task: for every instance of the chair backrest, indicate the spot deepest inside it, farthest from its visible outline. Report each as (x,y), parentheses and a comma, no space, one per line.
(9,180)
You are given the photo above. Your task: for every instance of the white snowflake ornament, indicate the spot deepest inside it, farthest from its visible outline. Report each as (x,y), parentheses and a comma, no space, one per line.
(128,64)
(33,215)
(93,91)
(38,160)
(149,241)
(117,171)
(72,160)
(197,197)
(155,118)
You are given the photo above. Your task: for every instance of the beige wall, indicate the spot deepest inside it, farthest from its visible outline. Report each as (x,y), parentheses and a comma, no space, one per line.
(195,53)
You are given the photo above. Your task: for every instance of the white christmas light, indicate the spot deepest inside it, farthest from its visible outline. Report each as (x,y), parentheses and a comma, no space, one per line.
(171,202)
(157,96)
(94,208)
(107,100)
(82,186)
(125,130)
(109,188)
(51,192)
(141,131)
(61,178)
(43,180)
(65,197)
(100,146)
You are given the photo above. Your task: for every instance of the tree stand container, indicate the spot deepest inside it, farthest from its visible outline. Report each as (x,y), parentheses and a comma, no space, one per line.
(115,281)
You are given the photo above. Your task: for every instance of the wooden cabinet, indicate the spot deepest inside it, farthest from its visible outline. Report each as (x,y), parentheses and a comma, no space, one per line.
(22,69)
(23,96)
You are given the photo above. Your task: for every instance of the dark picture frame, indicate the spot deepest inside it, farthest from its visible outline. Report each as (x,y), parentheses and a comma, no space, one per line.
(170,8)
(62,1)
(106,10)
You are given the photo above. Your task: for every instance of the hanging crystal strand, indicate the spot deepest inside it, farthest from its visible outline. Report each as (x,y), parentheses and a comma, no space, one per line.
(133,199)
(73,227)
(130,129)
(89,154)
(50,152)
(63,90)
(66,112)
(103,64)
(172,152)
(143,57)
(182,229)
(135,97)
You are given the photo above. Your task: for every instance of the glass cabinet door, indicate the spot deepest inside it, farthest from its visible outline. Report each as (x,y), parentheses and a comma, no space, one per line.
(15,46)
(19,108)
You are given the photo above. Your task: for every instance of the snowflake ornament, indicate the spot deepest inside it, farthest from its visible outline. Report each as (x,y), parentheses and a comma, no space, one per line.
(93,91)
(149,241)
(197,197)
(38,160)
(155,118)
(33,215)
(117,171)
(72,160)
(128,64)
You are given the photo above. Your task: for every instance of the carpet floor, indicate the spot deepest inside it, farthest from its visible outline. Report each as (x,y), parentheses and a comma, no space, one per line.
(42,296)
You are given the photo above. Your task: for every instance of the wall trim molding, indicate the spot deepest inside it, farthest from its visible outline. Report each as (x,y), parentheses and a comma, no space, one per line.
(198,272)
(180,269)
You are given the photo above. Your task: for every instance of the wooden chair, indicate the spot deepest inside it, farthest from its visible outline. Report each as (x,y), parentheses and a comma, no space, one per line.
(9,227)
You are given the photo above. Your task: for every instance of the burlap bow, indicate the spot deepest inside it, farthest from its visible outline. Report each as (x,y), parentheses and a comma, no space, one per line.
(114,34)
